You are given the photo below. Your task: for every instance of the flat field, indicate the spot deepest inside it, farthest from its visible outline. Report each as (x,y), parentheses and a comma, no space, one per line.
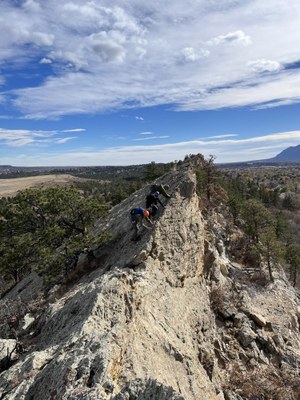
(10,187)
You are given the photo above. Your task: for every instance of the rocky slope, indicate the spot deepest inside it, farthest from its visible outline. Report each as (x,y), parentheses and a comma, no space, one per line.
(168,317)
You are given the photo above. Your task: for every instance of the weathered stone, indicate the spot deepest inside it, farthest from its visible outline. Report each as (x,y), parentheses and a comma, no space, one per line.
(246,336)
(224,269)
(138,259)
(278,340)
(27,321)
(295,322)
(7,347)
(239,319)
(258,319)
(220,247)
(269,326)
(228,312)
(263,359)
(230,395)
(147,390)
(119,324)
(140,325)
(27,289)
(220,396)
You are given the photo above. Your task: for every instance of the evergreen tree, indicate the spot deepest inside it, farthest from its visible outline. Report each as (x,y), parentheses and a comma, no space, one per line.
(37,225)
(257,218)
(293,258)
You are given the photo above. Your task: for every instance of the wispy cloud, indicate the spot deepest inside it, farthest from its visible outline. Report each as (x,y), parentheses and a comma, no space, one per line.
(235,38)
(22,137)
(264,66)
(151,138)
(74,130)
(222,136)
(190,54)
(146,133)
(64,140)
(226,150)
(139,54)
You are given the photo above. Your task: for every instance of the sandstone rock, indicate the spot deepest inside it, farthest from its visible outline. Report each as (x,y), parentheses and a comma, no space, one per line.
(224,269)
(119,325)
(7,347)
(140,325)
(230,395)
(216,273)
(228,312)
(220,247)
(258,319)
(278,340)
(27,289)
(147,390)
(263,359)
(27,321)
(240,319)
(246,336)
(220,396)
(295,322)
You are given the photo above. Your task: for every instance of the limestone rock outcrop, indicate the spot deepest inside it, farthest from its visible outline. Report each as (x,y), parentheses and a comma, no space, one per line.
(167,317)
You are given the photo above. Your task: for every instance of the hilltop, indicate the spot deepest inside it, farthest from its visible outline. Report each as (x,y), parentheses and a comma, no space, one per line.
(291,154)
(174,316)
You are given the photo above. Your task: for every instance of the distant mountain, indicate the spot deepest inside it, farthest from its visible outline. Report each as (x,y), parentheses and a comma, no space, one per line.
(291,154)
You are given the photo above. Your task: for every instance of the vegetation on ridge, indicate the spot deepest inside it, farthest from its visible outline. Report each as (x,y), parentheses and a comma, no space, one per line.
(267,213)
(47,229)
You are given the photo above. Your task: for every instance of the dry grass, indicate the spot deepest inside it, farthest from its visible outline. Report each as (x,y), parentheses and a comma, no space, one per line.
(10,187)
(265,384)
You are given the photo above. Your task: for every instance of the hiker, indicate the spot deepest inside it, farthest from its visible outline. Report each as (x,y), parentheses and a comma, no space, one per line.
(161,189)
(152,201)
(137,215)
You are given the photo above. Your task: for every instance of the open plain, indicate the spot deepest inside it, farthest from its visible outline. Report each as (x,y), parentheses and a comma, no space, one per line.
(10,187)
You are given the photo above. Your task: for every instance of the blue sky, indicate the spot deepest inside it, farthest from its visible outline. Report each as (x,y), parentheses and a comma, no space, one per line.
(127,82)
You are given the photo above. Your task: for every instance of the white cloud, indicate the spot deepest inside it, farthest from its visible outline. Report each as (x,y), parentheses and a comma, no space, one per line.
(139,118)
(138,53)
(107,48)
(265,91)
(264,66)
(23,137)
(64,140)
(222,136)
(235,38)
(226,150)
(189,54)
(74,130)
(151,137)
(146,133)
(45,60)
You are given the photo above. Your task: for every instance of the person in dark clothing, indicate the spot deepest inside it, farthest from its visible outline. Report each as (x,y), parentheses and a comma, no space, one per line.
(152,201)
(153,198)
(137,215)
(162,189)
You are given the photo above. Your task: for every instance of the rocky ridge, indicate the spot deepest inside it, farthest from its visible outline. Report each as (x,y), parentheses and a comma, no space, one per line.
(169,317)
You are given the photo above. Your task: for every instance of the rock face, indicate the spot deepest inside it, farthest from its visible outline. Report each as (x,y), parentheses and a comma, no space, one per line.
(163,318)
